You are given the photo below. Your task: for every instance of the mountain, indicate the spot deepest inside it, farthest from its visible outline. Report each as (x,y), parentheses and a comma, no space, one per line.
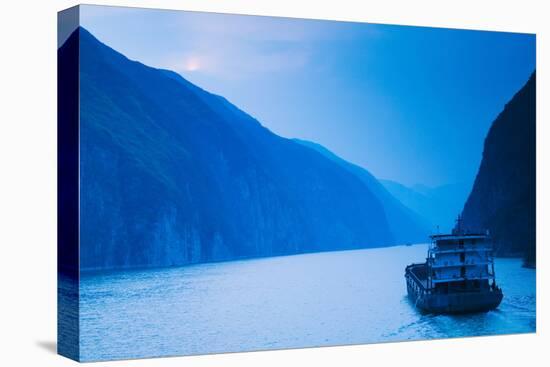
(440,205)
(406,225)
(503,196)
(171,174)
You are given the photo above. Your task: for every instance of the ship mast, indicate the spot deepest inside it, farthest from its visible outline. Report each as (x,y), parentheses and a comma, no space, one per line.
(458,226)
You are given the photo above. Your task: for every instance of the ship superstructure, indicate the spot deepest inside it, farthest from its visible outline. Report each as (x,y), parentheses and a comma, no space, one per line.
(458,275)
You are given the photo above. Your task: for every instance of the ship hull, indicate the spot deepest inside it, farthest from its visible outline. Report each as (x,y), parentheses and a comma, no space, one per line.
(456,303)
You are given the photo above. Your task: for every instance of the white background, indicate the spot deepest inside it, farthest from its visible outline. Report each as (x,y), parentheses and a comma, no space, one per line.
(28,183)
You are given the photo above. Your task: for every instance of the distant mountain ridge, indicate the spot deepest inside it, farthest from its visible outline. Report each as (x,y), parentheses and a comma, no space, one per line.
(171,174)
(406,225)
(438,205)
(503,196)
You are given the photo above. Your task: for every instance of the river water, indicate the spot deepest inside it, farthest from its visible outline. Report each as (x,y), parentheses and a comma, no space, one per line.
(331,298)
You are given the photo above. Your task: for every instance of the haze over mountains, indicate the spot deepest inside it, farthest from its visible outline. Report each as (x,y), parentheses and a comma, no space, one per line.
(406,225)
(503,197)
(439,206)
(171,174)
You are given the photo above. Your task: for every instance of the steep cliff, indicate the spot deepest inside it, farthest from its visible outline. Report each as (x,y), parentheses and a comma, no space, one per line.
(503,196)
(171,174)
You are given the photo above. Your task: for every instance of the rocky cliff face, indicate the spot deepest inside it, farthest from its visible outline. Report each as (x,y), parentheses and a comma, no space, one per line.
(503,196)
(171,174)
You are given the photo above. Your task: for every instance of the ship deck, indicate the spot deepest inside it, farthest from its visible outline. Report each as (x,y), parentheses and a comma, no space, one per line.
(419,273)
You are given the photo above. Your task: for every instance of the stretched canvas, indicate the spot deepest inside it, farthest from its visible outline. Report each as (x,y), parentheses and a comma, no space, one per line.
(231,183)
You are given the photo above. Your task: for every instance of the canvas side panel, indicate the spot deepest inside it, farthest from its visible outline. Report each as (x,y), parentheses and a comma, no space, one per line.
(68,184)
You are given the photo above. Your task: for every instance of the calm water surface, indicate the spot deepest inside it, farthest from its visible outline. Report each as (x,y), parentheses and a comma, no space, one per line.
(321,299)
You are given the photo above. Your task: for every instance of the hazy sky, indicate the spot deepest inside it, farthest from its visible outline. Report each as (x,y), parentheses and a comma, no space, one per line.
(410,104)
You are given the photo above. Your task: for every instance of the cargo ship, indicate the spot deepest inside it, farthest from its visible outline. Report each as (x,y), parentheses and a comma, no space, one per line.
(458,275)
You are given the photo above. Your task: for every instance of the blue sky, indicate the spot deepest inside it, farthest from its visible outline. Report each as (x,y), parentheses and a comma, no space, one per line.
(410,104)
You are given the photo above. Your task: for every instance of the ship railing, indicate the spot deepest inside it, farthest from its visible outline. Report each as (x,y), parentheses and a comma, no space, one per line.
(463,236)
(439,250)
(460,279)
(436,265)
(418,283)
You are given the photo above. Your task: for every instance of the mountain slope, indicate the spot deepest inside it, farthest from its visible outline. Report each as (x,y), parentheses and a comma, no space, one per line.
(439,205)
(406,225)
(503,197)
(171,174)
